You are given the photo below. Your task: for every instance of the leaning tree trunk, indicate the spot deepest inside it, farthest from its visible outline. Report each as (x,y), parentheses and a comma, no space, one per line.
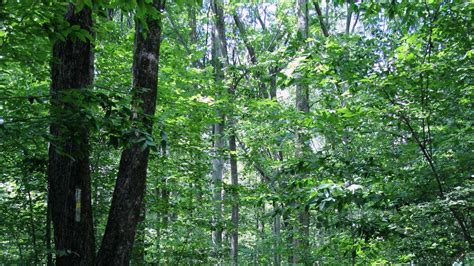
(129,189)
(72,71)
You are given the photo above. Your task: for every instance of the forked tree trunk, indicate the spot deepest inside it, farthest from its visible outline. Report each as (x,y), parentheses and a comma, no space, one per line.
(69,199)
(129,189)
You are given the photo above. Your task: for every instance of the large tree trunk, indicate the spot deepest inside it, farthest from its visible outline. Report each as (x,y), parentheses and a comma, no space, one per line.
(72,70)
(302,105)
(129,190)
(138,250)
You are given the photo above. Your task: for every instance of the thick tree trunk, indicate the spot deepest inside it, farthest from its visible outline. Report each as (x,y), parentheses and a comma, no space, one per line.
(138,251)
(72,70)
(129,190)
(302,253)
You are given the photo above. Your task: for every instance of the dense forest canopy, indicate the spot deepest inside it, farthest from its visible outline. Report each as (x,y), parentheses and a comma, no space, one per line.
(236,132)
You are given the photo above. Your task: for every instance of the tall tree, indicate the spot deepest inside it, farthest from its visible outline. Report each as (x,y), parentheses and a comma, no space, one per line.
(220,61)
(302,105)
(72,71)
(127,199)
(218,55)
(217,174)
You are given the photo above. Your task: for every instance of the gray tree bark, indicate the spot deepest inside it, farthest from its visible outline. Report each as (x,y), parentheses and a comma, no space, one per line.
(218,160)
(221,60)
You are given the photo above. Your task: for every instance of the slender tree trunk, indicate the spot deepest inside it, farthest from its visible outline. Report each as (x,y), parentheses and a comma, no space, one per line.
(32,227)
(18,245)
(49,256)
(222,60)
(276,235)
(192,23)
(349,17)
(289,238)
(165,214)
(129,189)
(302,105)
(163,197)
(235,200)
(322,23)
(68,171)
(234,175)
(273,84)
(217,173)
(219,58)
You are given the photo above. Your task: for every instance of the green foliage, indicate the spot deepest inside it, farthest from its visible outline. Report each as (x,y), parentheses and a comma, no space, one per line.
(387,173)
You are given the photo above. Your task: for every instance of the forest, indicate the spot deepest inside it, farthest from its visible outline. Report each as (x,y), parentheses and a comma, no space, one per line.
(236,132)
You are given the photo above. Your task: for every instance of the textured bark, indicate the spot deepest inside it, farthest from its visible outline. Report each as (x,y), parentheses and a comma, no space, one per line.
(129,189)
(72,70)
(138,250)
(302,253)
